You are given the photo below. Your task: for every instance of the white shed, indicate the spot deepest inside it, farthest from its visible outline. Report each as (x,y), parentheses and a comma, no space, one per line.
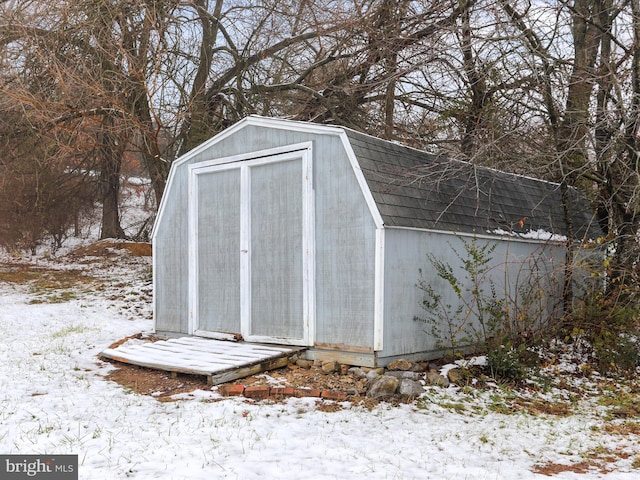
(294,233)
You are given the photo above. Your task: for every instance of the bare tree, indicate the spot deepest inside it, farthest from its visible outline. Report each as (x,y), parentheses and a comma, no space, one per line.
(553,85)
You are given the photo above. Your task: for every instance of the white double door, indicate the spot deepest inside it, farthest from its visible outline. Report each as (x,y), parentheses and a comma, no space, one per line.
(251,234)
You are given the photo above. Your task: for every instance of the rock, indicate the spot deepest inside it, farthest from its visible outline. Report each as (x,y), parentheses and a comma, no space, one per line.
(372,375)
(304,363)
(420,367)
(383,387)
(457,376)
(434,378)
(357,372)
(400,365)
(330,367)
(401,374)
(410,389)
(379,371)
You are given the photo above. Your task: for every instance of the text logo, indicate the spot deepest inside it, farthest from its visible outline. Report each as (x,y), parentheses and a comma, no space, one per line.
(37,467)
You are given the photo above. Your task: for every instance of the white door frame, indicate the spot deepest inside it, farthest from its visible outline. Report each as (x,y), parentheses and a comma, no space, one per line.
(245,162)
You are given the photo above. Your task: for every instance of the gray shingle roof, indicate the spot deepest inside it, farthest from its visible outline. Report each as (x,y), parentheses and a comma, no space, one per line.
(416,189)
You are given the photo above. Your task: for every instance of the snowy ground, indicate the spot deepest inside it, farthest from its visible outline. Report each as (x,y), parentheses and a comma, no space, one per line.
(54,399)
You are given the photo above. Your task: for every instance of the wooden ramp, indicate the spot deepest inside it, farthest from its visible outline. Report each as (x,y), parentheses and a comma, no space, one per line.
(220,361)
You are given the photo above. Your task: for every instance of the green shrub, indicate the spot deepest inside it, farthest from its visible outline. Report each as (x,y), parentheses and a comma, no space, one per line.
(479,313)
(506,362)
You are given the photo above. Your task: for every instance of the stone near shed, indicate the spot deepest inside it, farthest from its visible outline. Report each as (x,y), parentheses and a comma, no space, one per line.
(383,387)
(420,367)
(401,364)
(456,376)
(403,374)
(306,364)
(357,372)
(434,378)
(410,389)
(378,370)
(372,375)
(330,367)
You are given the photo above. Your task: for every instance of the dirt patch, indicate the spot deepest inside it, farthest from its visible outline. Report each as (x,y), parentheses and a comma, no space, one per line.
(163,385)
(313,377)
(551,469)
(159,384)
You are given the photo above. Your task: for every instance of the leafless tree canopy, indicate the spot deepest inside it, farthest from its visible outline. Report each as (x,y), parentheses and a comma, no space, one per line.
(548,89)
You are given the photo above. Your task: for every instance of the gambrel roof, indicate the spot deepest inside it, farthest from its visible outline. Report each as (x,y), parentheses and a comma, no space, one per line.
(415,189)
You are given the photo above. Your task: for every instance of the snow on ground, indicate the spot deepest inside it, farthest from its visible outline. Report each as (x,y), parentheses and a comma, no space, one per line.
(54,399)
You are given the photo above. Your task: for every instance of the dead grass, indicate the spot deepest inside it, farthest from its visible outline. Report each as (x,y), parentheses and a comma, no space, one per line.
(598,460)
(48,285)
(544,407)
(551,469)
(626,428)
(56,285)
(109,249)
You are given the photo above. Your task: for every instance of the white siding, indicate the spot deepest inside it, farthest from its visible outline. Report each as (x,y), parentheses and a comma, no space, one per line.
(516,267)
(345,252)
(344,239)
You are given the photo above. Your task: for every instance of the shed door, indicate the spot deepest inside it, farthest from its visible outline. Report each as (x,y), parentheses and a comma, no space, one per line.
(275,250)
(253,249)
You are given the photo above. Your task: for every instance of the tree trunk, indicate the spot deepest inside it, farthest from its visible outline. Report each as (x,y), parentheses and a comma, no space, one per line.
(477,85)
(110,153)
(196,127)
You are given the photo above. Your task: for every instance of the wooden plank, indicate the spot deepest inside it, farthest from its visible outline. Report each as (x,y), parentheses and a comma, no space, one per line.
(161,349)
(192,358)
(157,366)
(140,358)
(220,361)
(173,363)
(347,358)
(230,354)
(246,371)
(231,346)
(230,337)
(219,346)
(343,347)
